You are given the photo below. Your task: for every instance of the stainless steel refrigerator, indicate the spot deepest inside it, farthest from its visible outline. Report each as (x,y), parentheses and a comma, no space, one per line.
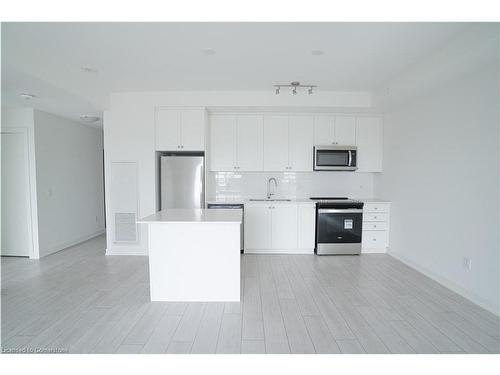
(182,180)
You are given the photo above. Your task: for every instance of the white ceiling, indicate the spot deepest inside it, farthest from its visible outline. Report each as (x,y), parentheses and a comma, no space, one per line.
(45,58)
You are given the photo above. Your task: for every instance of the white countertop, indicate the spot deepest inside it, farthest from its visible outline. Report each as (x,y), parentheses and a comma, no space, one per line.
(373,200)
(249,200)
(182,215)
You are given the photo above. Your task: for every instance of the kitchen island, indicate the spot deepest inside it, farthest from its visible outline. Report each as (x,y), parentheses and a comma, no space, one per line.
(194,254)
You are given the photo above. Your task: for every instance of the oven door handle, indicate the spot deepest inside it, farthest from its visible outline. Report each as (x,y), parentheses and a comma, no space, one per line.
(350,159)
(339,210)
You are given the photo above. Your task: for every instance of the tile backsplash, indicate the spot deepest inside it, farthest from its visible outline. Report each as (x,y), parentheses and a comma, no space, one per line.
(228,185)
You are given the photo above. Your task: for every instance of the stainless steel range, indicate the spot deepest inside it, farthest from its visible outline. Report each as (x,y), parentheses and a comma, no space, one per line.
(339,222)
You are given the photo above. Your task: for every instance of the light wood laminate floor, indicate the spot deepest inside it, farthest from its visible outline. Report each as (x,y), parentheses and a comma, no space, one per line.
(81,301)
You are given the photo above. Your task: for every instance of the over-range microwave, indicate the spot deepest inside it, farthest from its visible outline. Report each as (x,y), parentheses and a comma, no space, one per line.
(335,158)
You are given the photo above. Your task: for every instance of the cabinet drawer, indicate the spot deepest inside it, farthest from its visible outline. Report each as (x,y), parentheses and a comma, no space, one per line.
(374,239)
(374,225)
(374,217)
(376,207)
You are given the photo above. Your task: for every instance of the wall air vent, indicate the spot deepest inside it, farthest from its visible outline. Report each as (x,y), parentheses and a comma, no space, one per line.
(125,227)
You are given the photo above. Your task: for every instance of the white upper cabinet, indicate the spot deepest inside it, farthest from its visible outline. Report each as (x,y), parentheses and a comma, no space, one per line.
(276,143)
(236,143)
(300,143)
(334,130)
(250,143)
(323,130)
(168,129)
(345,130)
(193,130)
(369,143)
(288,143)
(223,143)
(180,129)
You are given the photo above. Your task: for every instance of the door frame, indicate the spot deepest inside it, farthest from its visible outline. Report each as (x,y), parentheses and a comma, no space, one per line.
(30,172)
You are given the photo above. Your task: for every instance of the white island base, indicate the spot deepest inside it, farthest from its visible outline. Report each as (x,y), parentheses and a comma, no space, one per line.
(194,255)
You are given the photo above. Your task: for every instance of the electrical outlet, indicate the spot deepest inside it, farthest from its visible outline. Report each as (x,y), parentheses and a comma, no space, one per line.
(467,264)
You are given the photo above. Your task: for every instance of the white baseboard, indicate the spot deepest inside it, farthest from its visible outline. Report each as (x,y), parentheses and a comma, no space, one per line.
(370,250)
(278,251)
(448,284)
(65,245)
(139,252)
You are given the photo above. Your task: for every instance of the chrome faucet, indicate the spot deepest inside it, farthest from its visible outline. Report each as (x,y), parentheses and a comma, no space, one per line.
(269,194)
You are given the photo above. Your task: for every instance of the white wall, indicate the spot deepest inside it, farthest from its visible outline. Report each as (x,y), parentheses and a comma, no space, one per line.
(69,173)
(129,135)
(441,172)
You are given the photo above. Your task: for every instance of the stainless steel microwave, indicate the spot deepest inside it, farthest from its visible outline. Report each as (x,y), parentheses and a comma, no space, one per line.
(335,158)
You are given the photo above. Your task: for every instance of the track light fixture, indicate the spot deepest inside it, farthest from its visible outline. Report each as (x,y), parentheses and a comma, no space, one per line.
(294,85)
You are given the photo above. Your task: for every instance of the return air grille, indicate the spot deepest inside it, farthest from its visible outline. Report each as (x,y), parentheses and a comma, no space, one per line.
(125,227)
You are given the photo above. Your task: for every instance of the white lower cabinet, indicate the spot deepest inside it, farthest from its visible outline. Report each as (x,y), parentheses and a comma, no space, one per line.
(284,226)
(279,228)
(257,226)
(375,236)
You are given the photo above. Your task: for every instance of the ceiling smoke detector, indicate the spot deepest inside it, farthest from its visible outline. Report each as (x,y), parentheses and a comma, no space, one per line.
(27,96)
(209,51)
(89,119)
(88,69)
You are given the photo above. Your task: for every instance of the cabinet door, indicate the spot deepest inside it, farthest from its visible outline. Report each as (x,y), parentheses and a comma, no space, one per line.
(257,226)
(345,130)
(323,130)
(168,130)
(284,226)
(276,143)
(222,143)
(306,227)
(369,143)
(300,144)
(193,130)
(250,148)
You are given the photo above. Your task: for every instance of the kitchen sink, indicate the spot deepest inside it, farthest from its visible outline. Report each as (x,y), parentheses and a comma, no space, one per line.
(270,200)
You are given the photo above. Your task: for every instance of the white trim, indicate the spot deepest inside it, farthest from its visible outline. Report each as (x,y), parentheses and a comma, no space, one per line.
(474,298)
(279,251)
(71,243)
(373,250)
(138,252)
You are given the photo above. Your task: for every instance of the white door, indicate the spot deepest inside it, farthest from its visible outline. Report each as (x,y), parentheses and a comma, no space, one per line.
(223,143)
(323,130)
(345,130)
(369,143)
(257,226)
(16,210)
(284,226)
(168,130)
(276,143)
(300,143)
(193,130)
(250,148)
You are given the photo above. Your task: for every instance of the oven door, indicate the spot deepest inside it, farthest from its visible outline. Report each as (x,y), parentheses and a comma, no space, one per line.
(338,231)
(335,158)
